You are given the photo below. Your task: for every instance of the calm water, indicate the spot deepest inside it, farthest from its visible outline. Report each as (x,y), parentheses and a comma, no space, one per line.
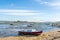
(5,29)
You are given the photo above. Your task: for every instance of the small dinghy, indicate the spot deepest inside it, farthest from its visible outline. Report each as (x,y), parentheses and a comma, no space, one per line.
(30,29)
(30,32)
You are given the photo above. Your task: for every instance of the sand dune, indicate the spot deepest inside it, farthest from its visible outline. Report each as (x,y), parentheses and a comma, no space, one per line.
(54,35)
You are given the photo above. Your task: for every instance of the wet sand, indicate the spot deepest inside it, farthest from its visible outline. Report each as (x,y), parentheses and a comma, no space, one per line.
(52,35)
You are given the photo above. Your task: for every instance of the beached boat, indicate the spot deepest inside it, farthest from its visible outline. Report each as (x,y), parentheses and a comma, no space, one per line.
(30,30)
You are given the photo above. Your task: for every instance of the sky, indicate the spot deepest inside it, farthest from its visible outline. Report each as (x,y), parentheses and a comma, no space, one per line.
(30,10)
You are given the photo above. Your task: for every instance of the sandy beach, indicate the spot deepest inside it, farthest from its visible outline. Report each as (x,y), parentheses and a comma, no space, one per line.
(53,35)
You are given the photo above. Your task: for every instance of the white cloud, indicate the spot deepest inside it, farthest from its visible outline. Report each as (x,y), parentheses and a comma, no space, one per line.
(36,17)
(19,12)
(45,18)
(55,4)
(50,3)
(41,1)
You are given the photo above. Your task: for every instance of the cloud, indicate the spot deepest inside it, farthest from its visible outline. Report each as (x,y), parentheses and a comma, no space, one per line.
(42,1)
(50,3)
(54,4)
(29,15)
(19,12)
(36,19)
(32,17)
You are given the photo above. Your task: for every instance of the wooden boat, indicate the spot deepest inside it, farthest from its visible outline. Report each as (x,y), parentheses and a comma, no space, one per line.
(30,32)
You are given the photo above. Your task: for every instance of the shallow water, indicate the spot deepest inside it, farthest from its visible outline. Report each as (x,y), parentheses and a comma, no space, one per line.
(5,29)
(47,28)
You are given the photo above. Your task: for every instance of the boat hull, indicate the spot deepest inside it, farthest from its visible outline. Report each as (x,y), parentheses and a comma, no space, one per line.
(30,33)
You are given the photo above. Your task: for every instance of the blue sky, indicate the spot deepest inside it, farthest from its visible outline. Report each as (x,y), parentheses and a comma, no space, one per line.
(30,10)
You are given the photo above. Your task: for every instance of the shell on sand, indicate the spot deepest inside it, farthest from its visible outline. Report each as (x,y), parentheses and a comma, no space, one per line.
(53,35)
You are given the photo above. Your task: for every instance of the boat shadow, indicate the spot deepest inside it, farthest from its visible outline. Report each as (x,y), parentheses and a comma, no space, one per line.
(29,35)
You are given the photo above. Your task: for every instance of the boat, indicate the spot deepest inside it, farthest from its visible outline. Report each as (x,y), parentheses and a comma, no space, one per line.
(30,30)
